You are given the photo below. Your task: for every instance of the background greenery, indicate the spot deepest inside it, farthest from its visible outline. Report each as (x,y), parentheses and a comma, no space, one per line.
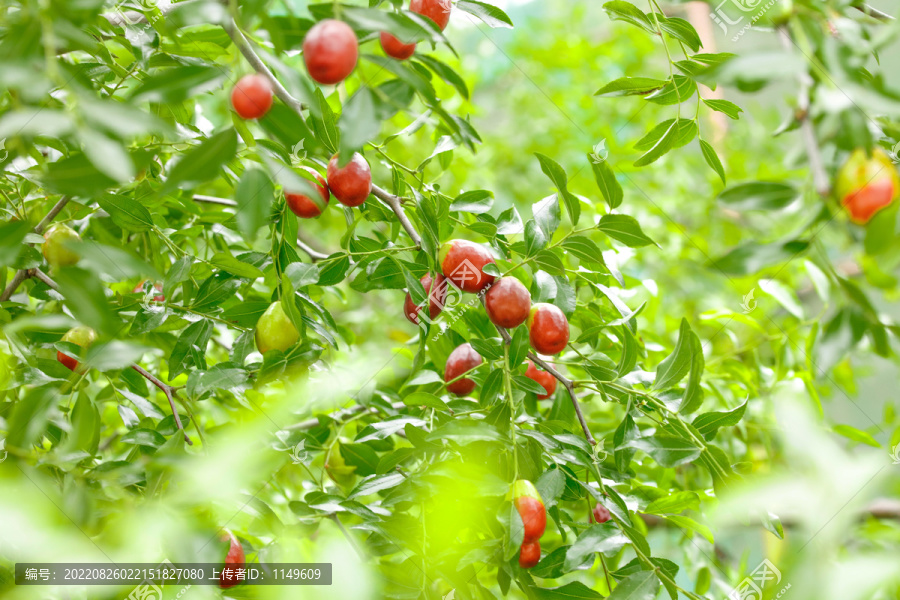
(96,470)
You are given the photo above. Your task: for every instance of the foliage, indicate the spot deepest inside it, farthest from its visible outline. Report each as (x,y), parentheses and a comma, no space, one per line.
(705,284)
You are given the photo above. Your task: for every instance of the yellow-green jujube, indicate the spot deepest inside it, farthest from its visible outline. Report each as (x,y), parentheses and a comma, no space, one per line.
(54,247)
(274,330)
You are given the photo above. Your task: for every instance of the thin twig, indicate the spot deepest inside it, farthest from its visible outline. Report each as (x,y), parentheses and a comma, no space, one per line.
(567,383)
(214,200)
(168,390)
(816,164)
(871,11)
(347,535)
(396,205)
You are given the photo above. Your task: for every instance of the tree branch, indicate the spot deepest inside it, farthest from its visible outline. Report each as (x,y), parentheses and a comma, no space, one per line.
(57,208)
(38,274)
(567,383)
(820,176)
(169,391)
(395,204)
(17,280)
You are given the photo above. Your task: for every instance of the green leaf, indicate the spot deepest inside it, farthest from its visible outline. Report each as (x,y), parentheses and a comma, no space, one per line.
(712,159)
(674,503)
(475,202)
(708,424)
(230,264)
(619,10)
(190,348)
(607,182)
(85,296)
(254,195)
(856,435)
(693,393)
(759,195)
(680,89)
(681,30)
(558,176)
(601,537)
(665,143)
(446,73)
(668,451)
(688,523)
(571,591)
(675,366)
(752,257)
(203,162)
(358,123)
(730,109)
(583,248)
(643,585)
(491,15)
(630,86)
(376,483)
(143,437)
(625,229)
(361,456)
(426,399)
(176,84)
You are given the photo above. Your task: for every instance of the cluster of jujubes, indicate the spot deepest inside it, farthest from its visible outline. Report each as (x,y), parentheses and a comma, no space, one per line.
(531,509)
(507,303)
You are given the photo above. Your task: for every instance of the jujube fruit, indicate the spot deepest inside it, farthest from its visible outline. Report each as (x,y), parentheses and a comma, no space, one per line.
(82,337)
(139,288)
(302,205)
(507,303)
(462,262)
(529,555)
(548,329)
(464,358)
(274,330)
(252,96)
(528,503)
(352,183)
(601,514)
(54,247)
(337,468)
(330,51)
(544,378)
(234,559)
(436,10)
(395,48)
(865,185)
(436,290)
